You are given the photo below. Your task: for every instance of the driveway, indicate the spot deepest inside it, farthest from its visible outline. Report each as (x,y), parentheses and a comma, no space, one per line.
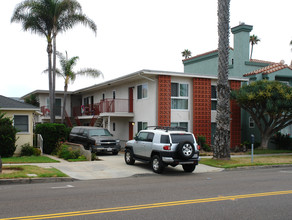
(114,166)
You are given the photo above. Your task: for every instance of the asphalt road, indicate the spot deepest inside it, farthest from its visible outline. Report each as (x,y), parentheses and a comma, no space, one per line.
(241,194)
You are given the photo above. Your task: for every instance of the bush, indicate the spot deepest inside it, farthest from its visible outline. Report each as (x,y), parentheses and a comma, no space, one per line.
(7,136)
(27,150)
(52,133)
(282,141)
(66,152)
(202,143)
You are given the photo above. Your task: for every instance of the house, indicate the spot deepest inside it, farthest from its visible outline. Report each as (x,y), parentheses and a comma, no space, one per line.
(23,115)
(127,104)
(240,65)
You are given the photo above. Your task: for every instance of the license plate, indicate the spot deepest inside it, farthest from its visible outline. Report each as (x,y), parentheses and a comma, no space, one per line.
(109,149)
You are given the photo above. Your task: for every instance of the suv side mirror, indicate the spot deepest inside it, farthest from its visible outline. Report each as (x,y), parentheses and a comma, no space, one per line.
(136,138)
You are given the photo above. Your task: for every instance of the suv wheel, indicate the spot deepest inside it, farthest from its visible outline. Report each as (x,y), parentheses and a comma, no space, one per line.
(189,167)
(157,164)
(186,150)
(129,159)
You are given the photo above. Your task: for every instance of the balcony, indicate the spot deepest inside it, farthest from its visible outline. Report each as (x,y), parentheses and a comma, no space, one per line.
(105,107)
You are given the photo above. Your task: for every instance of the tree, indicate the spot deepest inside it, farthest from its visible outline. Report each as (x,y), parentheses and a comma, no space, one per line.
(48,18)
(186,53)
(253,40)
(68,74)
(7,136)
(33,100)
(222,135)
(269,103)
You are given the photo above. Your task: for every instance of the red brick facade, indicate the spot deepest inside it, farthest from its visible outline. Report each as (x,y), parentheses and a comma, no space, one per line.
(235,124)
(164,100)
(202,108)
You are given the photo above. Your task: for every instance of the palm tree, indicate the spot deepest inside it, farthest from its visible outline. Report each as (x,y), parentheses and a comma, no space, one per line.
(186,53)
(48,18)
(69,74)
(253,40)
(222,134)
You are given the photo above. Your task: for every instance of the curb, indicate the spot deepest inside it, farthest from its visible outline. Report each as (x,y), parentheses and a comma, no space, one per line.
(257,167)
(36,180)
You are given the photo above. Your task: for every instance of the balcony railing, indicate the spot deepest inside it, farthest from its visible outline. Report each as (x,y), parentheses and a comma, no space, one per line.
(46,111)
(105,106)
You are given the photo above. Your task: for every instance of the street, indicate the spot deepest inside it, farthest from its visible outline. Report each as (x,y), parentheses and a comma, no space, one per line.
(236,194)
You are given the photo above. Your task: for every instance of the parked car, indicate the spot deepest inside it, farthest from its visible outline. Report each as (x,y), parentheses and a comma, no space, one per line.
(163,146)
(95,139)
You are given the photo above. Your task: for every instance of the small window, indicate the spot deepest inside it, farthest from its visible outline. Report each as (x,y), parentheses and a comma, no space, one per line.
(114,126)
(180,124)
(142,125)
(114,94)
(251,122)
(142,136)
(164,139)
(21,123)
(179,96)
(142,91)
(213,92)
(103,96)
(150,137)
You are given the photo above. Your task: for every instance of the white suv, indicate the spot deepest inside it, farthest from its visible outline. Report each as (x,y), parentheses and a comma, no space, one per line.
(164,146)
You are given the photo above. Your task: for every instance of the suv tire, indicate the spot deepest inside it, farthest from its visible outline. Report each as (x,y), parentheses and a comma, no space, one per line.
(129,158)
(157,164)
(189,167)
(185,150)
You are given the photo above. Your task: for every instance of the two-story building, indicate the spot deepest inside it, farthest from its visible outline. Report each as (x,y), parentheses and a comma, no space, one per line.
(129,103)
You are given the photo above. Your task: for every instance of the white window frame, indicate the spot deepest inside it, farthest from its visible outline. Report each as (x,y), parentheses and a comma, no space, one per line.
(22,132)
(214,99)
(179,97)
(143,86)
(178,124)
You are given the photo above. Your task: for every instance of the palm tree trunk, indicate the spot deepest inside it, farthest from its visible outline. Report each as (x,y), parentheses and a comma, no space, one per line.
(51,96)
(251,51)
(54,74)
(64,102)
(222,135)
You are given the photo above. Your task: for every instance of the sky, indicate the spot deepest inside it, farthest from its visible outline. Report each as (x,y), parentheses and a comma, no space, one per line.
(137,34)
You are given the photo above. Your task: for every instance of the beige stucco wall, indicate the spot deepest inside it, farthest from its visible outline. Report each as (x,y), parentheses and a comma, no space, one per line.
(22,137)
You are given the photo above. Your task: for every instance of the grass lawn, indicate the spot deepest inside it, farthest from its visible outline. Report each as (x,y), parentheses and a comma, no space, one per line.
(246,161)
(11,172)
(30,159)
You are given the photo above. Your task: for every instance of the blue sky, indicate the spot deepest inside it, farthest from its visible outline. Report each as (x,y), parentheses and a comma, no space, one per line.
(134,35)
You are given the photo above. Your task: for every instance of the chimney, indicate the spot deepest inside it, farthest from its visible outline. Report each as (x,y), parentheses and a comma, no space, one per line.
(241,43)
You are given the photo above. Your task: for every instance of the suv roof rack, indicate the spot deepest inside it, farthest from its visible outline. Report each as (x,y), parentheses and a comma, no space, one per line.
(167,128)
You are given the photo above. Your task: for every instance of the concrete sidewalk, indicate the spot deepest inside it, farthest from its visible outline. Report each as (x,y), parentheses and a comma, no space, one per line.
(112,166)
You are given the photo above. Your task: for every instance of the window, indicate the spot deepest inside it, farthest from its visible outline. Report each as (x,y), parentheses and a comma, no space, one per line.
(179,96)
(21,123)
(142,91)
(213,97)
(114,126)
(164,139)
(145,136)
(142,125)
(180,124)
(251,122)
(114,94)
(58,106)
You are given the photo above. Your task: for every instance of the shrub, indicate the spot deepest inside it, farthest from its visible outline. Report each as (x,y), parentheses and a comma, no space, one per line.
(282,141)
(27,150)
(51,133)
(7,136)
(66,152)
(202,143)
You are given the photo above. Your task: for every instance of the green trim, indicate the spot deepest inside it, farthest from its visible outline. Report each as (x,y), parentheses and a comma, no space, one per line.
(248,63)
(201,58)
(241,28)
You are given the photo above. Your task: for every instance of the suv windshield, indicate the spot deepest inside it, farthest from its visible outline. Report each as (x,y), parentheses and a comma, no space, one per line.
(99,132)
(176,138)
